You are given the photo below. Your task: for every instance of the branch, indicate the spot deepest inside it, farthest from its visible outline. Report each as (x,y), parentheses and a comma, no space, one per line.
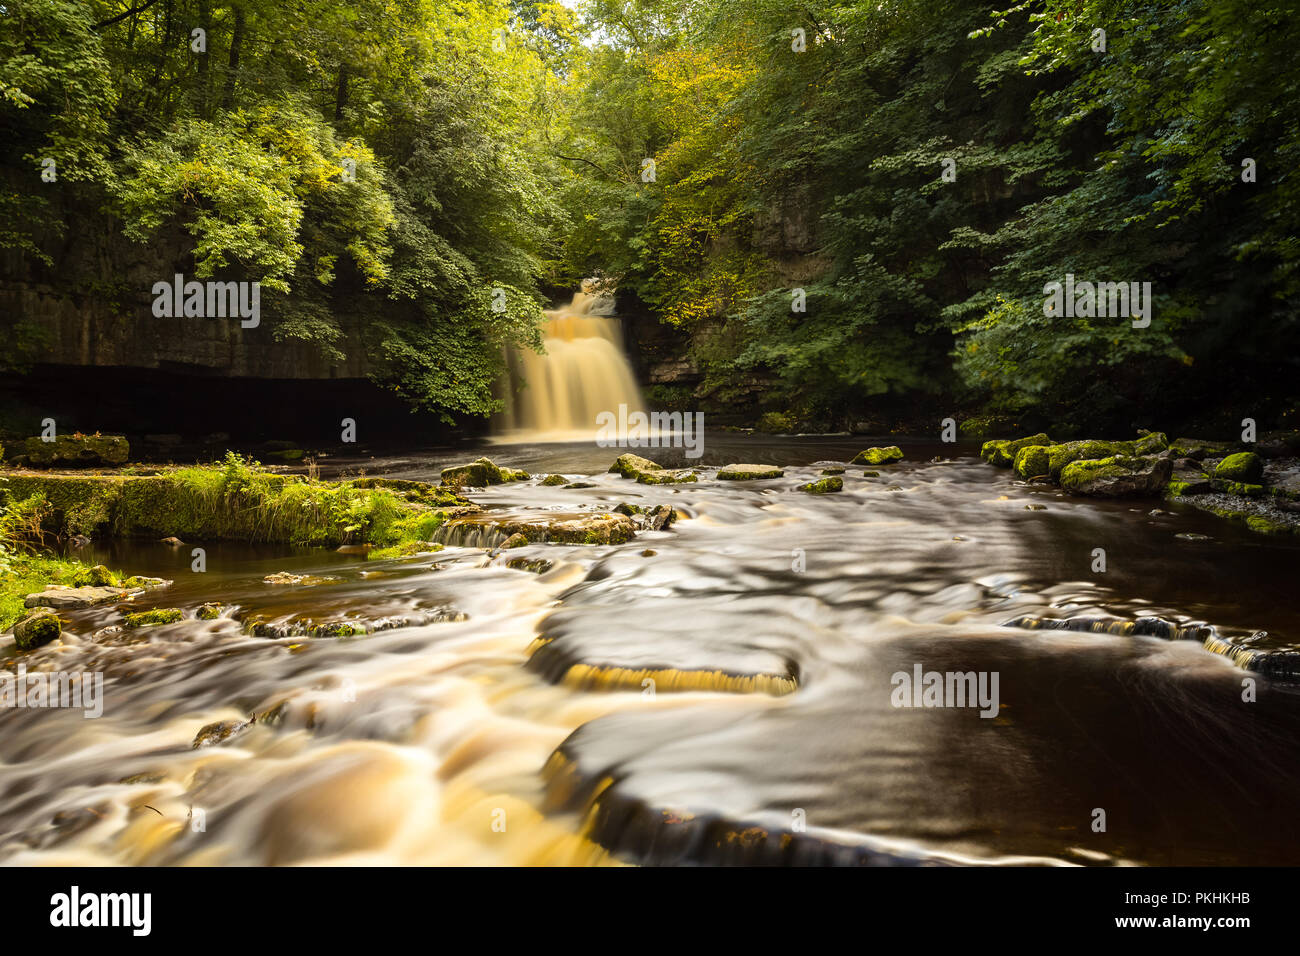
(122,16)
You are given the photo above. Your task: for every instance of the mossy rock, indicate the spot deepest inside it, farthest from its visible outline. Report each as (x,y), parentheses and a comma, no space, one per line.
(744,472)
(1197,448)
(775,423)
(878,456)
(629,465)
(137,581)
(209,612)
(160,615)
(666,477)
(36,629)
(1002,453)
(1058,456)
(479,473)
(77,451)
(1118,476)
(824,486)
(1032,462)
(1270,526)
(987,426)
(1152,443)
(1240,488)
(836,470)
(552,480)
(1245,466)
(97,577)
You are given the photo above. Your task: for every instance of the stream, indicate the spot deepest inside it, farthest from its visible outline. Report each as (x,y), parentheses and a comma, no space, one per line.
(717,692)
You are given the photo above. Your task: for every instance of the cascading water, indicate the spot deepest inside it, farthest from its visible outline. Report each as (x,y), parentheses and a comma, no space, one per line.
(583,372)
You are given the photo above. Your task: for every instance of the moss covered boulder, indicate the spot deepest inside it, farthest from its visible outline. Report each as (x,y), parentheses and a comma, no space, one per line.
(1116,477)
(749,472)
(666,477)
(161,615)
(629,466)
(1245,467)
(1003,453)
(37,628)
(878,456)
(97,577)
(824,486)
(1197,448)
(76,451)
(1031,462)
(1151,443)
(479,473)
(552,480)
(1058,456)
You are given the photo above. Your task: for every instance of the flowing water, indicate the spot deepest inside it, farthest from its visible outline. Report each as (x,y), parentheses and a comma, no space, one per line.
(557,395)
(509,720)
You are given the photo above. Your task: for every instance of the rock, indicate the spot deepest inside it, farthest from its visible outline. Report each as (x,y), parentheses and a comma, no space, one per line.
(878,456)
(824,486)
(1003,453)
(1116,476)
(1058,456)
(557,527)
(1151,443)
(78,541)
(160,615)
(1245,467)
(353,548)
(870,474)
(1192,536)
(535,566)
(1032,462)
(84,451)
(665,477)
(1035,507)
(580,484)
(749,472)
(1244,489)
(218,732)
(1197,449)
(37,628)
(1187,481)
(173,541)
(97,577)
(59,596)
(624,508)
(648,553)
(209,612)
(480,473)
(833,471)
(630,466)
(553,480)
(658,518)
(137,582)
(516,540)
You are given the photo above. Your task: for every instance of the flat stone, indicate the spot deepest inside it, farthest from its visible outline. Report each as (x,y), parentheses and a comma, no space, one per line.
(61,596)
(744,472)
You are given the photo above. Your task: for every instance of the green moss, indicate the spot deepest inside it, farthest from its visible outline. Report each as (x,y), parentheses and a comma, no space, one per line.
(552,480)
(1245,466)
(748,472)
(160,615)
(1176,488)
(664,477)
(233,501)
(24,574)
(1270,526)
(1078,475)
(878,456)
(1152,443)
(209,612)
(77,451)
(629,465)
(775,423)
(1003,453)
(36,629)
(403,550)
(1238,488)
(824,486)
(1058,456)
(96,577)
(1031,461)
(480,473)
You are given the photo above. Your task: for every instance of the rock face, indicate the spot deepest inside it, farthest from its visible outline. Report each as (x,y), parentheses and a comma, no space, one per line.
(1116,476)
(76,451)
(37,628)
(748,472)
(878,456)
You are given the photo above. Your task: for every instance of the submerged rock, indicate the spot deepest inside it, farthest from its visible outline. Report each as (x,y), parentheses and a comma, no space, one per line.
(878,456)
(1116,476)
(36,629)
(749,472)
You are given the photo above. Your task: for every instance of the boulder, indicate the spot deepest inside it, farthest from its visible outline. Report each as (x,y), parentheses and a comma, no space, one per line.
(37,628)
(1197,448)
(749,472)
(61,596)
(160,615)
(878,456)
(553,480)
(1117,476)
(479,473)
(1003,453)
(824,486)
(1245,467)
(665,477)
(1032,462)
(629,465)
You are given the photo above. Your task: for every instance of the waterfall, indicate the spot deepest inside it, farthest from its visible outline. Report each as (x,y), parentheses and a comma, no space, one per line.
(583,372)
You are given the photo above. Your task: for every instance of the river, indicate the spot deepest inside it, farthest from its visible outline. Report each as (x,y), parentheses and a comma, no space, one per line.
(510,721)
